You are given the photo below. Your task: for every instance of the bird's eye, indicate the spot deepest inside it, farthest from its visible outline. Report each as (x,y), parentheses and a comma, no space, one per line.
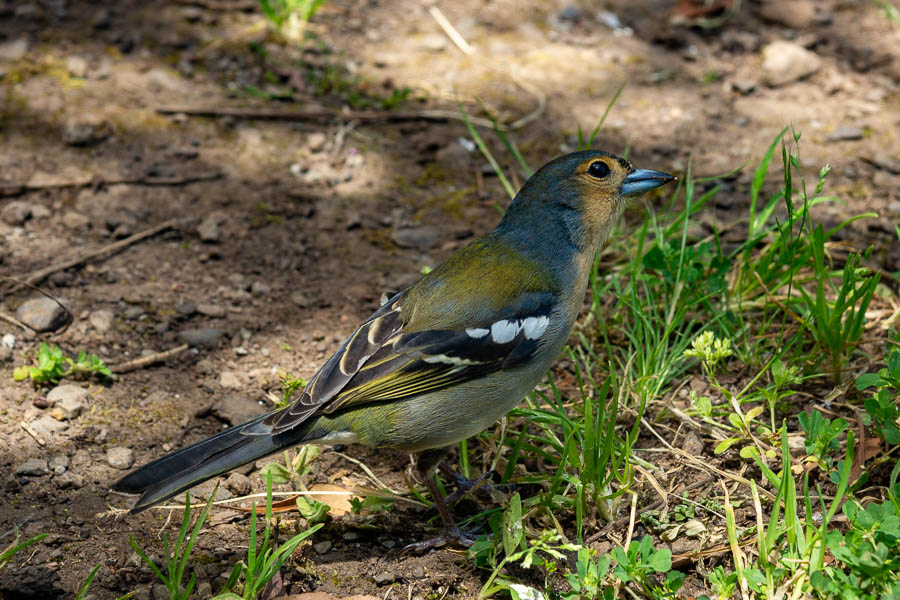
(598,169)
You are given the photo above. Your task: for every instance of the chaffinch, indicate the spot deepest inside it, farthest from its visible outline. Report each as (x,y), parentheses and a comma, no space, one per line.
(451,354)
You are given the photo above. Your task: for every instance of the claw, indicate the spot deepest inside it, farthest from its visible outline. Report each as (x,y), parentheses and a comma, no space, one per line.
(454,537)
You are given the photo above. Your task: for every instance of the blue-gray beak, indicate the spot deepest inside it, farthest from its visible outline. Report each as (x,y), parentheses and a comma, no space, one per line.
(642,180)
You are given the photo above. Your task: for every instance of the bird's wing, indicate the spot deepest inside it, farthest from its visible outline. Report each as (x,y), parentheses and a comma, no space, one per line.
(385,360)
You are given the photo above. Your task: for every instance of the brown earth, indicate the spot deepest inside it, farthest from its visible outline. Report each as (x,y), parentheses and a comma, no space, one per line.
(308,222)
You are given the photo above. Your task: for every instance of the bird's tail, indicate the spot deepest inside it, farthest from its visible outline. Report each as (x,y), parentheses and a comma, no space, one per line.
(176,472)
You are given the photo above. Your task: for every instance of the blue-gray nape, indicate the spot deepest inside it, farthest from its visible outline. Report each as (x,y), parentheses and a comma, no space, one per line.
(642,180)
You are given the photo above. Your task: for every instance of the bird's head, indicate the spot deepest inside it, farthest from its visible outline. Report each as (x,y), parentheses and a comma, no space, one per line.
(584,192)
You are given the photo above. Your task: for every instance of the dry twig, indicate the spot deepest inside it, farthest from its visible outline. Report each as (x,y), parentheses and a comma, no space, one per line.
(146,361)
(41,274)
(16,189)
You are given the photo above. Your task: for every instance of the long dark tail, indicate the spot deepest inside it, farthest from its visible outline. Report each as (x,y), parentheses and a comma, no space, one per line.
(185,468)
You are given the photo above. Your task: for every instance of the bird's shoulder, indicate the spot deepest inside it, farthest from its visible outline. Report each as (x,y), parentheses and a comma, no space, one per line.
(487,280)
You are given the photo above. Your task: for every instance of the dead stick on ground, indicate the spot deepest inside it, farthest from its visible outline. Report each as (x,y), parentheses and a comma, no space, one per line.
(41,274)
(15,189)
(14,321)
(146,361)
(320,115)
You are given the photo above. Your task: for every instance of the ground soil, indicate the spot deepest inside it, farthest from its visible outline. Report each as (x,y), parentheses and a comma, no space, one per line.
(316,219)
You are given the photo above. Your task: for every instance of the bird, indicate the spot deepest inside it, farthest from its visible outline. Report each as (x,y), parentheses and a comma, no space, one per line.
(451,354)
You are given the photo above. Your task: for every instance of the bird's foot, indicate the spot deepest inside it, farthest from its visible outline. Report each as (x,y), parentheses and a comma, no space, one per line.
(465,486)
(454,537)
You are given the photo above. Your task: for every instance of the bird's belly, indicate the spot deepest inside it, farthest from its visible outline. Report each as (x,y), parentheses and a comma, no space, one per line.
(447,417)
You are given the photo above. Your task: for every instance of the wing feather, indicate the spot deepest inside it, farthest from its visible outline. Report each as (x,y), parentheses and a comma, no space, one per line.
(381,362)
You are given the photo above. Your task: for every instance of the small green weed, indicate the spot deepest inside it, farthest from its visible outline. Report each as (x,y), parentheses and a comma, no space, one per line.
(868,553)
(292,471)
(177,557)
(263,560)
(882,410)
(52,366)
(16,546)
(290,17)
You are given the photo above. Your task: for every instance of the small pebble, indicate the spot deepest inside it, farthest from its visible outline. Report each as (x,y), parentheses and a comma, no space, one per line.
(384,577)
(34,467)
(200,337)
(101,320)
(59,463)
(42,314)
(211,310)
(352,536)
(8,341)
(846,134)
(120,458)
(186,309)
(16,213)
(322,547)
(47,425)
(133,313)
(238,483)
(69,480)
(300,299)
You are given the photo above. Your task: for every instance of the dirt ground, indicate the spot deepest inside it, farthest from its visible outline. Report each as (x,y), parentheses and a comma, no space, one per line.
(295,228)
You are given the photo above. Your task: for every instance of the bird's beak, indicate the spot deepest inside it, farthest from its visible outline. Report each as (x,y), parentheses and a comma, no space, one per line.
(642,180)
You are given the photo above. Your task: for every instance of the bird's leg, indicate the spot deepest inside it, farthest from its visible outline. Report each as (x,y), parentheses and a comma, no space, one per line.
(466,486)
(426,465)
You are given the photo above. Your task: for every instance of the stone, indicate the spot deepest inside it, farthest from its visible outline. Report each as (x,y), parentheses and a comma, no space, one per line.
(300,299)
(845,134)
(422,237)
(786,62)
(33,467)
(47,425)
(8,341)
(323,547)
(570,13)
(76,66)
(204,490)
(200,337)
(210,229)
(258,288)
(16,213)
(6,354)
(796,14)
(42,314)
(230,380)
(74,220)
(69,480)
(186,309)
(235,409)
(39,211)
(13,49)
(67,402)
(101,320)
(384,578)
(743,86)
(83,133)
(238,484)
(159,592)
(120,458)
(316,141)
(59,463)
(133,313)
(211,310)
